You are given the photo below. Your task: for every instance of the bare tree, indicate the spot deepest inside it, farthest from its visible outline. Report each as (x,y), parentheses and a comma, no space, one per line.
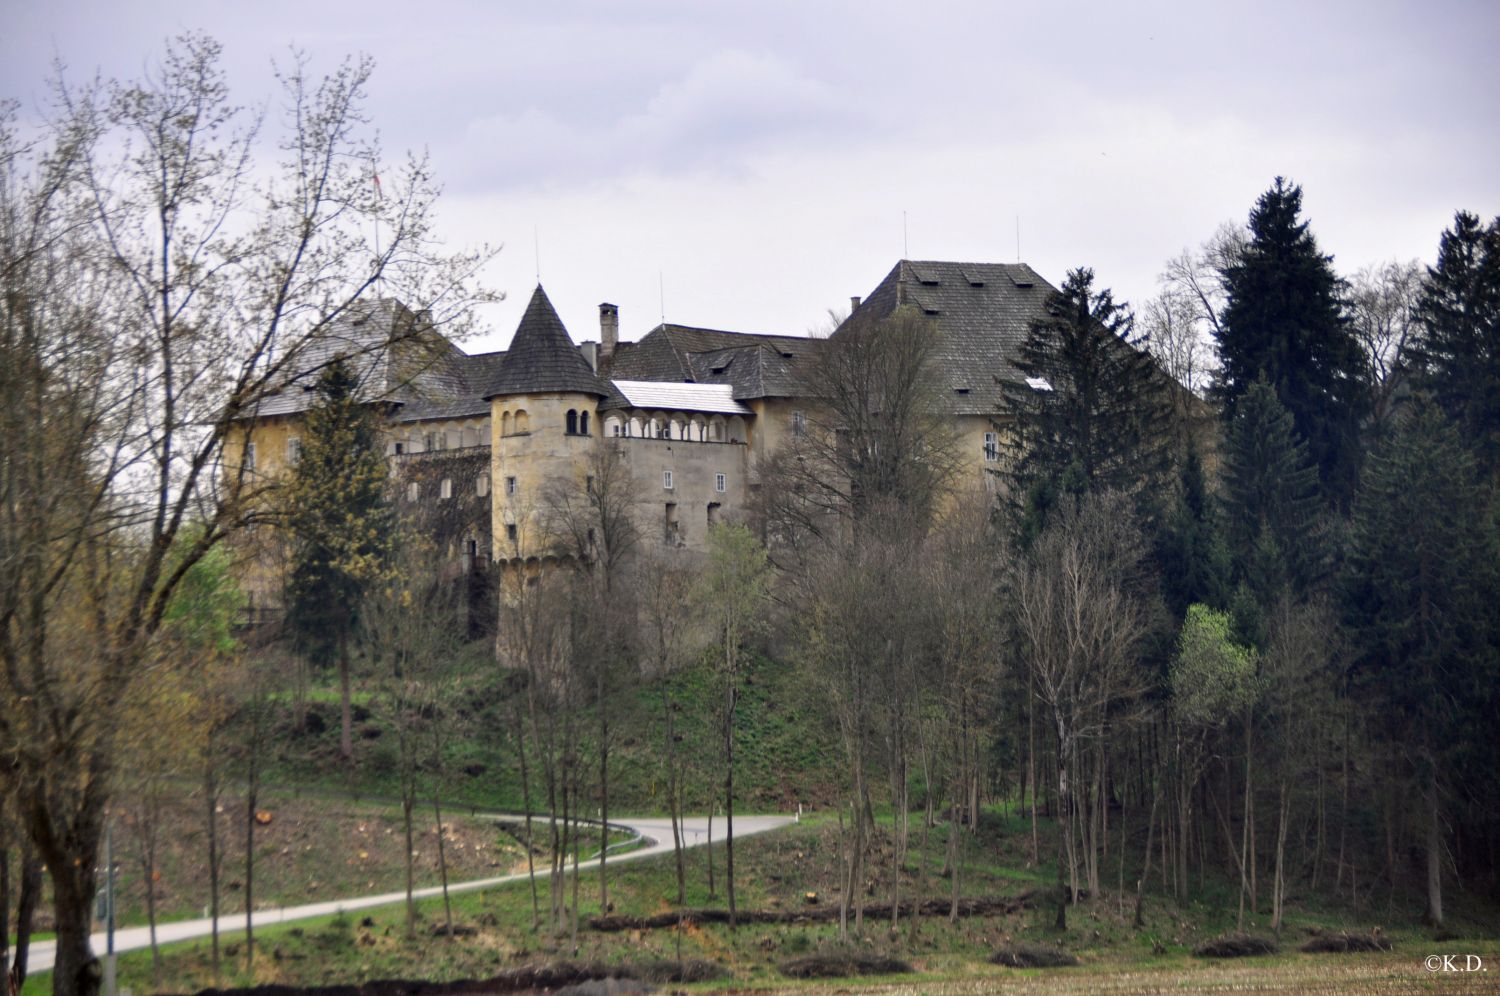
(152,292)
(1183,320)
(1082,616)
(732,595)
(665,581)
(876,435)
(594,523)
(1382,303)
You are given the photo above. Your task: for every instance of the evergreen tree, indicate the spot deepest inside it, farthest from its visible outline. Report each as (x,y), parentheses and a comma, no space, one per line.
(1284,322)
(1094,413)
(1458,352)
(1418,597)
(1271,500)
(1190,547)
(340,522)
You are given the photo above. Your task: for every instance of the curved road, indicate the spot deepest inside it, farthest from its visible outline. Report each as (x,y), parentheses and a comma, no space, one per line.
(656,832)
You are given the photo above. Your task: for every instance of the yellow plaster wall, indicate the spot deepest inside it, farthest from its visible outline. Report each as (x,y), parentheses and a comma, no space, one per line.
(542,454)
(694,468)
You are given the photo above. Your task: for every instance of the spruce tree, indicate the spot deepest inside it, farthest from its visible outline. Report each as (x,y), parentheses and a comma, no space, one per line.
(1271,504)
(1190,547)
(340,523)
(1093,413)
(1418,593)
(1284,321)
(1458,352)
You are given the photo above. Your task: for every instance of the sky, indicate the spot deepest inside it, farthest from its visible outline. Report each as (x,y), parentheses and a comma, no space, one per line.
(751,165)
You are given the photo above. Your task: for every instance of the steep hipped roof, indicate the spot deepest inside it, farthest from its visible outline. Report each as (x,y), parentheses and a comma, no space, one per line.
(983,310)
(542,357)
(756,365)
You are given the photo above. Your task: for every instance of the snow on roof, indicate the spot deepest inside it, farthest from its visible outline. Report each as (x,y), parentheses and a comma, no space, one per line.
(682,397)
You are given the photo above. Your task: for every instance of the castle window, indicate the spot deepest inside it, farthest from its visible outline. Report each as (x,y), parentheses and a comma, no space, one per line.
(588,484)
(505,424)
(429,442)
(572,422)
(510,485)
(799,424)
(398,448)
(719,483)
(666,479)
(583,424)
(293,451)
(249,456)
(991,446)
(523,421)
(413,491)
(713,513)
(510,531)
(445,490)
(482,486)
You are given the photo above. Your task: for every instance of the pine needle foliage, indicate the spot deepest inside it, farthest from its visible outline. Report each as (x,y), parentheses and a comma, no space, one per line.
(1094,413)
(1271,504)
(1285,321)
(338,515)
(1458,351)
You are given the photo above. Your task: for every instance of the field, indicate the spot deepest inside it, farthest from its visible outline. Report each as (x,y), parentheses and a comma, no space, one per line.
(779,871)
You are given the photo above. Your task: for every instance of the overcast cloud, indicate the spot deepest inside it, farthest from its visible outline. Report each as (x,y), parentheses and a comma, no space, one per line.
(753,160)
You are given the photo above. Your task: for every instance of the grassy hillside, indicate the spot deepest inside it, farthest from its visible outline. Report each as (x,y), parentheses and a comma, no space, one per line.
(787,751)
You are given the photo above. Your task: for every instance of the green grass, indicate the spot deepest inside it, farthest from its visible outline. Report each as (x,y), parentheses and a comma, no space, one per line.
(776,871)
(786,750)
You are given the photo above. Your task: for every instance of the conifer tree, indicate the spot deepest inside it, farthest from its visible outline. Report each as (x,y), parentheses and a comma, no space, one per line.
(1271,500)
(1418,596)
(1093,414)
(1191,549)
(340,522)
(1284,321)
(1459,349)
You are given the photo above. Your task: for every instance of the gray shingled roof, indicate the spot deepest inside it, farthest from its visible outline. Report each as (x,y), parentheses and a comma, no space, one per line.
(417,362)
(542,357)
(755,364)
(984,311)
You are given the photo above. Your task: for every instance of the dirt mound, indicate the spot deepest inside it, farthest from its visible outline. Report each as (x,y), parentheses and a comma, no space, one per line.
(577,978)
(1032,956)
(691,970)
(1343,942)
(990,906)
(1236,946)
(842,965)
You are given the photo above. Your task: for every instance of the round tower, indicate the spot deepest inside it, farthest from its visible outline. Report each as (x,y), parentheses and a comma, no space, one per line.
(544,425)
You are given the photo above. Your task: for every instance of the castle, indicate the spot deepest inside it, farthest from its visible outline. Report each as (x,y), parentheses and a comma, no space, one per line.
(693,414)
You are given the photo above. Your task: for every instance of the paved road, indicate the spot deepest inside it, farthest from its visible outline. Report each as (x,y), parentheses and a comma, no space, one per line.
(657,833)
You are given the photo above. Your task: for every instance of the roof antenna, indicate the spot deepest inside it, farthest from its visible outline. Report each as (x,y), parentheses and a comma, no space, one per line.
(905,249)
(536,246)
(1018,238)
(661,291)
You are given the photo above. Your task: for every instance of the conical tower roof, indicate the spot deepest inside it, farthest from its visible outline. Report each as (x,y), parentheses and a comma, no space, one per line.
(543,358)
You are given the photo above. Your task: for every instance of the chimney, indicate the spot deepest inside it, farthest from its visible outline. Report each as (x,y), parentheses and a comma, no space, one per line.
(853,303)
(609,330)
